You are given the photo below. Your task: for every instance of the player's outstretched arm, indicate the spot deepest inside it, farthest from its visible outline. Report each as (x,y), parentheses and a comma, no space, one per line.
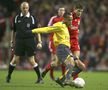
(47,29)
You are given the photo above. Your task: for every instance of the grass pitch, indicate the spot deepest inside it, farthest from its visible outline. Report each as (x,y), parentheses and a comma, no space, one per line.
(25,80)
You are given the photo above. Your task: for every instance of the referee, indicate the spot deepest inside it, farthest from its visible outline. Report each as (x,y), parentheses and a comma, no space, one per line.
(24,42)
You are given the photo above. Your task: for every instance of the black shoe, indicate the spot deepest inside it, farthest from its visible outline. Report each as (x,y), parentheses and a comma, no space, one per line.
(59,82)
(39,81)
(8,79)
(43,74)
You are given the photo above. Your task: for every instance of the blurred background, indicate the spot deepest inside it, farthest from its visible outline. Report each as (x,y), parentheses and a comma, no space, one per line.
(93,36)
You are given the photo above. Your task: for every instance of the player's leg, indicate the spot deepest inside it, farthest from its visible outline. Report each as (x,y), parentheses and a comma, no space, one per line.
(18,51)
(65,56)
(63,68)
(30,47)
(75,48)
(76,72)
(36,69)
(69,65)
(50,67)
(79,65)
(12,67)
(53,58)
(78,62)
(54,64)
(47,68)
(77,54)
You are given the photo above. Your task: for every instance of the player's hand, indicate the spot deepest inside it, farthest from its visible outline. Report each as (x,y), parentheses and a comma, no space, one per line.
(39,45)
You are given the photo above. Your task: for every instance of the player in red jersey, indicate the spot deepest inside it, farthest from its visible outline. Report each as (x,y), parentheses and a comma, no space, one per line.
(57,18)
(74,40)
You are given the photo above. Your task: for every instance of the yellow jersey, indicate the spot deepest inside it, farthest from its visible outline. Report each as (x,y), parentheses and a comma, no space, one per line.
(60,30)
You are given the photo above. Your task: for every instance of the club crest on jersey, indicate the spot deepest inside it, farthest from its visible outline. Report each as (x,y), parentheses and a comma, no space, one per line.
(28,25)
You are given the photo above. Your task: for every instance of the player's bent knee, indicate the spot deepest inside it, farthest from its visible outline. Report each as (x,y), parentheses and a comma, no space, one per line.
(54,64)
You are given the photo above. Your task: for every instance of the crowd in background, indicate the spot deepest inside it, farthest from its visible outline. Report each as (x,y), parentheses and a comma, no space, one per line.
(93,35)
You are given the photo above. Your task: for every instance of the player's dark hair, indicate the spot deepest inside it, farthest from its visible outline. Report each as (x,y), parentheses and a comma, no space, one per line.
(79,6)
(67,13)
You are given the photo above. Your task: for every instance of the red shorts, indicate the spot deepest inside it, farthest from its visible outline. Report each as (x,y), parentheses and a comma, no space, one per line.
(51,47)
(74,45)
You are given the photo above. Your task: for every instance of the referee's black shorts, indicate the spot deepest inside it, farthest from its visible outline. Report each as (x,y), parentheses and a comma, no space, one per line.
(25,47)
(63,52)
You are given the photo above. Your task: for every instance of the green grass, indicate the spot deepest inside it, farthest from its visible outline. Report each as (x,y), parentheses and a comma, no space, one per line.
(24,80)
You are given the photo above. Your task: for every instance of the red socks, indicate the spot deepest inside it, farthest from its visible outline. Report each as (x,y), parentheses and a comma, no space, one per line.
(52,73)
(63,69)
(48,67)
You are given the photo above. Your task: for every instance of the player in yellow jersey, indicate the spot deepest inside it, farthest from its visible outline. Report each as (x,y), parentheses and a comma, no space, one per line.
(61,40)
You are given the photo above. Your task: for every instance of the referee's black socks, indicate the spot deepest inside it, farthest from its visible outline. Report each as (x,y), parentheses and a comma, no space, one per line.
(11,68)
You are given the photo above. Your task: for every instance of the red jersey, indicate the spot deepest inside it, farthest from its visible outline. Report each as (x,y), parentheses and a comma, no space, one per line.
(53,20)
(74,32)
(74,35)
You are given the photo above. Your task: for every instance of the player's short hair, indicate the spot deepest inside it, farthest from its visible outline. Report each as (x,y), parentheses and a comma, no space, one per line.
(79,6)
(67,13)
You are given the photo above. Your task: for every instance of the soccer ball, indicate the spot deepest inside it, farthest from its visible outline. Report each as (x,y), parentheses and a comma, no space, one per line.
(79,82)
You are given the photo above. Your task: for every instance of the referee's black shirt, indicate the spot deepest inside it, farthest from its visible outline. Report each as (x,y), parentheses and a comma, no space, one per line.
(24,23)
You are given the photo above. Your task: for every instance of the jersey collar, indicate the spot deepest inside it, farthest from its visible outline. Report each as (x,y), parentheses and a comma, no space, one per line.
(28,15)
